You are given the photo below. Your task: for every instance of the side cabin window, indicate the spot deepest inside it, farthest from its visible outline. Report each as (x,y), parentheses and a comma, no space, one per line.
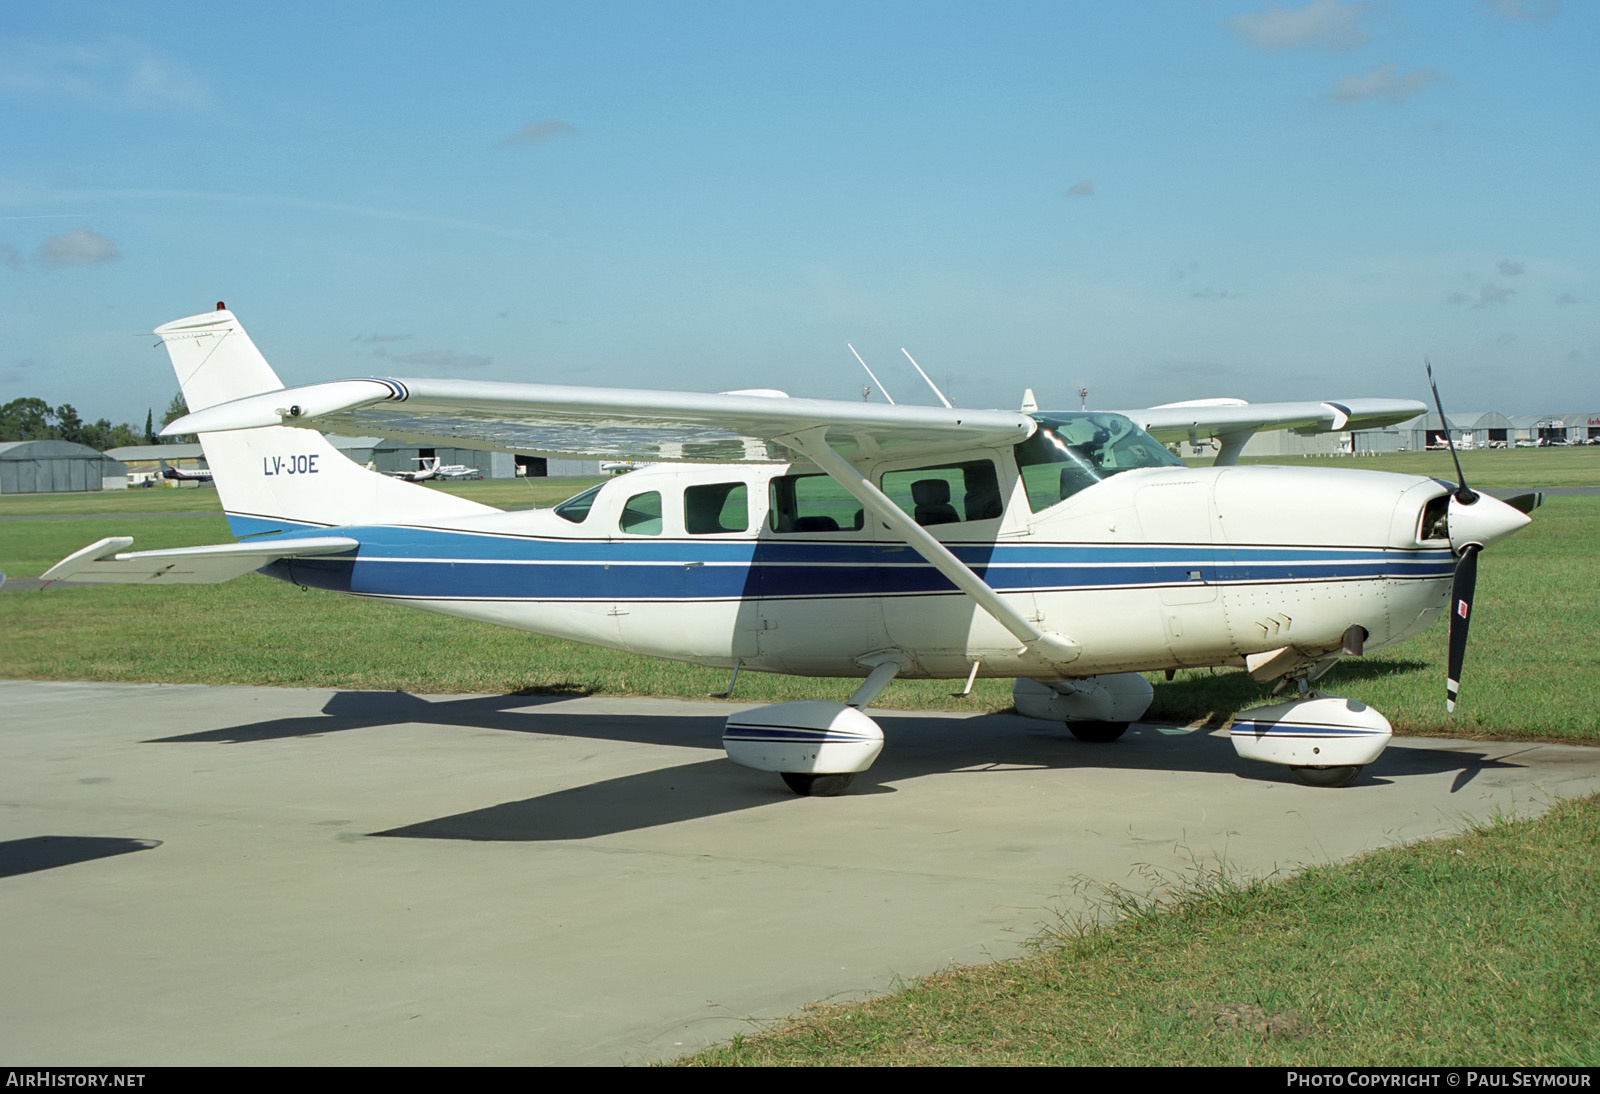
(716,507)
(641,516)
(947,494)
(811,503)
(1070,452)
(576,508)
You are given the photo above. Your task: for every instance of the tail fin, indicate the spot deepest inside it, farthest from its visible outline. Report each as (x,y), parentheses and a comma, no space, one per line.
(276,478)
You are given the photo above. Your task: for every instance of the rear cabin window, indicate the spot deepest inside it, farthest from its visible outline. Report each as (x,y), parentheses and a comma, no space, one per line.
(811,503)
(641,516)
(1073,451)
(717,507)
(948,494)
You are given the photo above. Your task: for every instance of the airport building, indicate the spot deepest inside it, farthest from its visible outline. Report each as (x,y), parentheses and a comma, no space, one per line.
(143,461)
(48,467)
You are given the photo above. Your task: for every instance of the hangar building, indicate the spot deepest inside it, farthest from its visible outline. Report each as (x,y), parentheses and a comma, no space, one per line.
(48,467)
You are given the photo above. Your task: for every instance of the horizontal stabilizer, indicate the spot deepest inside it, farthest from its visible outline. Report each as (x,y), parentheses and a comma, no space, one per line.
(102,564)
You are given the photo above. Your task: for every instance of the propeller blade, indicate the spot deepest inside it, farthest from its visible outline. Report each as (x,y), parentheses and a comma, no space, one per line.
(1526,502)
(1461,590)
(1464,493)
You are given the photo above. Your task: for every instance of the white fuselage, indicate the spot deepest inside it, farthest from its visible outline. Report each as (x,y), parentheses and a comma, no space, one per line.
(1152,568)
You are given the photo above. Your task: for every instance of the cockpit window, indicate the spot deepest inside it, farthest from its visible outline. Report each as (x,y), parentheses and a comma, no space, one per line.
(1073,451)
(576,508)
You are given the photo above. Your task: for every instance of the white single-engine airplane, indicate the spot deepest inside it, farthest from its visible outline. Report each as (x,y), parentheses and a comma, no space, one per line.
(428,470)
(1070,551)
(178,474)
(434,468)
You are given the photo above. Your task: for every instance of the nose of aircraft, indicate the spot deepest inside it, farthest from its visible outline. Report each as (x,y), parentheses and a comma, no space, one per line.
(1483,521)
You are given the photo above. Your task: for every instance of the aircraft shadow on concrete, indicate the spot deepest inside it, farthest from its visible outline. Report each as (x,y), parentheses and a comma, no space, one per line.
(916,746)
(26,856)
(349,710)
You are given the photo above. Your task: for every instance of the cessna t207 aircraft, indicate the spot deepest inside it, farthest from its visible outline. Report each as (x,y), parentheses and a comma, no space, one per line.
(1070,551)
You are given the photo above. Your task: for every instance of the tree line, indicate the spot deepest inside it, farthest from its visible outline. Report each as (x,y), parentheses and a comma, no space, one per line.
(31,419)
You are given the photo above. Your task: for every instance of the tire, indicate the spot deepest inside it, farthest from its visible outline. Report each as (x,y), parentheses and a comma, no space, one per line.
(1334,776)
(1098,732)
(817,786)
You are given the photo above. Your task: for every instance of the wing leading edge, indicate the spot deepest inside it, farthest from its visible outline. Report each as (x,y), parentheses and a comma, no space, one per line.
(549,419)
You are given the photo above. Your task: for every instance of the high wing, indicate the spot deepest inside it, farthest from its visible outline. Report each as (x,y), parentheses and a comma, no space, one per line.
(611,422)
(102,564)
(1233,421)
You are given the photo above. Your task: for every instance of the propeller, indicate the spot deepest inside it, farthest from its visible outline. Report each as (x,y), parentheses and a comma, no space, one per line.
(1464,493)
(1461,590)
(1473,520)
(1525,503)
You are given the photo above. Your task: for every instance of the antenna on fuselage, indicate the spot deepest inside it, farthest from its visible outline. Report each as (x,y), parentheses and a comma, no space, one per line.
(924,375)
(880,387)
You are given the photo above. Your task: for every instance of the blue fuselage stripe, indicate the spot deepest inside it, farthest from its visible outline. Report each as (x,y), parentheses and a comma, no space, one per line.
(432,563)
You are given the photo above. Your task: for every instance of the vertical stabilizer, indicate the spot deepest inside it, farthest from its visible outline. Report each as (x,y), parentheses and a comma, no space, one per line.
(277,478)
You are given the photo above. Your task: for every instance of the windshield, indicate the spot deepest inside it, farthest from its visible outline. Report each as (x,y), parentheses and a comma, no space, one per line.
(577,508)
(1073,451)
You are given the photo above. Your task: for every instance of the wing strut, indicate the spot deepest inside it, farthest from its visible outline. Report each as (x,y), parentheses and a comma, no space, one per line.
(1050,646)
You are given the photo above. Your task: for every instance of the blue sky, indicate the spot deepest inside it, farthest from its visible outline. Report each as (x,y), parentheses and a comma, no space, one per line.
(1158,201)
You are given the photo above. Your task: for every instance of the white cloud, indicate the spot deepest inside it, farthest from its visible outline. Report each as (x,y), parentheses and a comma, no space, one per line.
(79,247)
(1383,82)
(1510,268)
(537,133)
(1322,24)
(119,73)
